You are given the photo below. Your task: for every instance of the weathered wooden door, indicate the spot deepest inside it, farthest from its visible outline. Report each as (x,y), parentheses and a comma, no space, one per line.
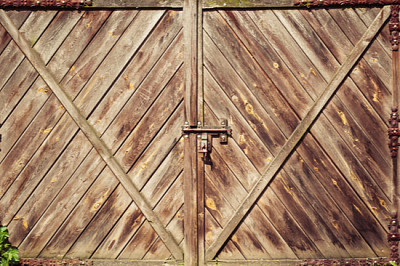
(94,163)
(303,176)
(91,160)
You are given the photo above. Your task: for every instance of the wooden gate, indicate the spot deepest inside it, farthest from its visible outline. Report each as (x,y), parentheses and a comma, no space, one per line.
(95,162)
(327,181)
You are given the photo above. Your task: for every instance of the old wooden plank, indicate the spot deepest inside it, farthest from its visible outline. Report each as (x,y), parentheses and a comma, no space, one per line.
(152,51)
(158,149)
(357,143)
(190,199)
(301,66)
(226,179)
(299,131)
(33,27)
(335,110)
(376,56)
(236,90)
(213,229)
(127,225)
(63,204)
(255,145)
(18,17)
(371,98)
(208,4)
(357,137)
(158,250)
(103,217)
(190,22)
(269,61)
(179,3)
(138,104)
(367,15)
(94,232)
(38,94)
(24,219)
(191,166)
(224,103)
(24,73)
(167,209)
(140,243)
(76,224)
(109,214)
(235,52)
(165,175)
(330,194)
(111,245)
(326,238)
(44,123)
(174,225)
(305,249)
(90,133)
(168,100)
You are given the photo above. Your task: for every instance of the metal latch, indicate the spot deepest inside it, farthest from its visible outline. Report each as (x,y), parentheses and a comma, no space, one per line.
(205,134)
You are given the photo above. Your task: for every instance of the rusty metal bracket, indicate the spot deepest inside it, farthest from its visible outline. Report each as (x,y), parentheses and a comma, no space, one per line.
(52,262)
(45,3)
(394,27)
(350,262)
(317,3)
(394,132)
(205,135)
(394,238)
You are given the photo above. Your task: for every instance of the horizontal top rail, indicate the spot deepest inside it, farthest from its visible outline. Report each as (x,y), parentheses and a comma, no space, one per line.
(207,4)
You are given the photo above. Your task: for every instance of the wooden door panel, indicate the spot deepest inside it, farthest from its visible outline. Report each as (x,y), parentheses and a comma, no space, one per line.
(114,78)
(263,70)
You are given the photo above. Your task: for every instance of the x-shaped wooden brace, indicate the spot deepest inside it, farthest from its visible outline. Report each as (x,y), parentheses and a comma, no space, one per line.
(92,136)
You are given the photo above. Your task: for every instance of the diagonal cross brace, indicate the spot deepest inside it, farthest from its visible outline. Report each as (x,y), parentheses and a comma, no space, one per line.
(90,133)
(299,132)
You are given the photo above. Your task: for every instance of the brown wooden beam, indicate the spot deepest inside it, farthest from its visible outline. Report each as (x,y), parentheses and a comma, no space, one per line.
(208,4)
(92,136)
(193,192)
(298,133)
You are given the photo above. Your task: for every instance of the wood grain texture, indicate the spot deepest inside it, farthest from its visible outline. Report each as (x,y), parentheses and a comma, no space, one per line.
(264,68)
(249,141)
(298,133)
(46,120)
(338,109)
(91,135)
(374,198)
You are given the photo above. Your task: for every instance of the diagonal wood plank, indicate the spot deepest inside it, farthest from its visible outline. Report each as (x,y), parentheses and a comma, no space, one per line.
(90,133)
(298,133)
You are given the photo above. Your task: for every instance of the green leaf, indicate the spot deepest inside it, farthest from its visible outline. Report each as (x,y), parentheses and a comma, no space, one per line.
(8,254)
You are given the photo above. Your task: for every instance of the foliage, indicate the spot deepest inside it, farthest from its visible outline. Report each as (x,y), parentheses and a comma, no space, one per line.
(8,254)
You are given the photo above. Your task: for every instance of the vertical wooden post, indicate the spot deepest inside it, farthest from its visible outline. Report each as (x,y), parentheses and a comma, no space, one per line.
(201,171)
(193,165)
(190,27)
